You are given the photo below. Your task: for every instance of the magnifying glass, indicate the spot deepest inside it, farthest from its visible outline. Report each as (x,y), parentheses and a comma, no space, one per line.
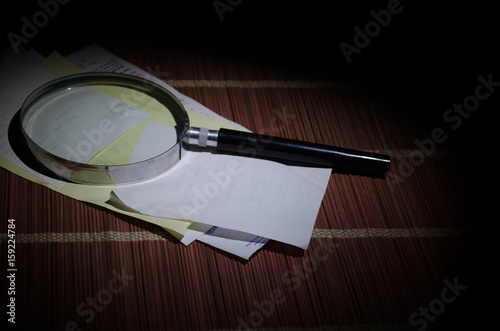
(108,128)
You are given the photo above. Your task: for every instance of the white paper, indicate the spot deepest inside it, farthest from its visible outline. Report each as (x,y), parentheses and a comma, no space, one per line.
(238,243)
(195,231)
(249,195)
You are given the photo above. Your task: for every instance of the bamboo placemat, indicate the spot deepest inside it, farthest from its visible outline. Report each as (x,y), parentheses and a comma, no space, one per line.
(381,250)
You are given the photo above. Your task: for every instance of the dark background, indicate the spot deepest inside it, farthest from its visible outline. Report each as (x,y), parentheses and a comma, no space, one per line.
(435,44)
(443,46)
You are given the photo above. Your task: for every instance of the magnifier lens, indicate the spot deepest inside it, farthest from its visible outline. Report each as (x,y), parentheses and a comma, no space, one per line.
(98,124)
(103,120)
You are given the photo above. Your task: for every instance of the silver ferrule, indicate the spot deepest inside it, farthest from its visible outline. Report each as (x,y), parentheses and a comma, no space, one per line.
(202,137)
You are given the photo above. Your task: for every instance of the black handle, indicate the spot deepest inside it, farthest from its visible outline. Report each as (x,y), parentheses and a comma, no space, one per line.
(341,160)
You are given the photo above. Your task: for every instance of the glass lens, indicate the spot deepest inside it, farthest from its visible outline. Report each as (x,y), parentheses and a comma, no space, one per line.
(102,124)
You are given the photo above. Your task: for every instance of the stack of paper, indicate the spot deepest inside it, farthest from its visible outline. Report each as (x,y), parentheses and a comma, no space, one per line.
(230,202)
